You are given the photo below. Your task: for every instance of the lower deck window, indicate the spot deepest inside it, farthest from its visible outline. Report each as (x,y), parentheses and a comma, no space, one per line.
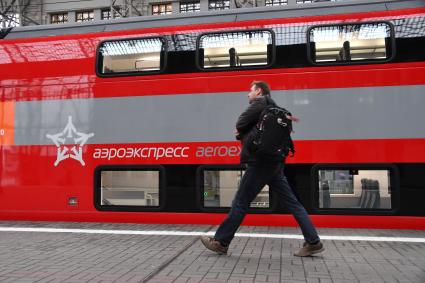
(362,189)
(129,187)
(220,186)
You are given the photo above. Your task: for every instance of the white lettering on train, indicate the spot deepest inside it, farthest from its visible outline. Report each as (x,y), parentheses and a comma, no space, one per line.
(165,152)
(145,152)
(221,151)
(2,132)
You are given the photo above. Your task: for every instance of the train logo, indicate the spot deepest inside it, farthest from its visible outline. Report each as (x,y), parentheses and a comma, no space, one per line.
(66,150)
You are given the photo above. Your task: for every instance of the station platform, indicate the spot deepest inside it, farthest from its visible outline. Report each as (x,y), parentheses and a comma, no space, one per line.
(110,252)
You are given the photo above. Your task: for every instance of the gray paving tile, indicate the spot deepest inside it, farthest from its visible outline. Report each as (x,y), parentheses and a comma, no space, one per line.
(64,257)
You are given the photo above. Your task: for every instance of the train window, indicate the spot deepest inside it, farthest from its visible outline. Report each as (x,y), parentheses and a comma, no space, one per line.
(128,187)
(131,56)
(355,188)
(236,49)
(350,43)
(220,186)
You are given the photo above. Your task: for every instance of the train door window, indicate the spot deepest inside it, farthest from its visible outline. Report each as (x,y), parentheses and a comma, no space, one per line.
(355,188)
(219,186)
(237,49)
(131,56)
(351,43)
(126,188)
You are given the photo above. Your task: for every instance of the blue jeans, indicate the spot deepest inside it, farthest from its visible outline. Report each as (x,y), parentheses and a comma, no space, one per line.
(255,178)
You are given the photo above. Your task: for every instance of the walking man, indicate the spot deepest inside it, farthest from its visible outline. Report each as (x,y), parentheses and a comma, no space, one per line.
(259,173)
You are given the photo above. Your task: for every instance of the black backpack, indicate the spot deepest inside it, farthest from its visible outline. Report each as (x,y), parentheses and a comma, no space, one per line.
(272,134)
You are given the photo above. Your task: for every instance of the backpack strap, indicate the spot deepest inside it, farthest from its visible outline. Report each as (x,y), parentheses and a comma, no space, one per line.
(269,103)
(291,146)
(269,100)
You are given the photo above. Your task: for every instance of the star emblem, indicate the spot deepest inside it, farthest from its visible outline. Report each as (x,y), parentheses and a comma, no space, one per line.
(66,150)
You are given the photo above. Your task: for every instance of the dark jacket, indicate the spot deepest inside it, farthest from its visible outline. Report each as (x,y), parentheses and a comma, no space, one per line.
(246,128)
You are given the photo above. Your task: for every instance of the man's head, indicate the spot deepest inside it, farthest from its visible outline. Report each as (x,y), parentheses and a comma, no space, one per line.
(258,88)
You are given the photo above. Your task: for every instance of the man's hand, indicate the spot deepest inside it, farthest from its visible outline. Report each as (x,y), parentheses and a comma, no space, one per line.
(293,118)
(237,135)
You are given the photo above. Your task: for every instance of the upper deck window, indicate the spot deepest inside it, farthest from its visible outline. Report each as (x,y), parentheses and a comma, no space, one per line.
(131,56)
(235,49)
(350,43)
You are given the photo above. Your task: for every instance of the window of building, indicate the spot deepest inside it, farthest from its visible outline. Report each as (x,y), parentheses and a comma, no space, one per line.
(276,2)
(131,56)
(314,1)
(162,9)
(355,188)
(235,49)
(59,18)
(219,188)
(350,43)
(107,15)
(187,7)
(218,4)
(84,16)
(128,187)
(10,20)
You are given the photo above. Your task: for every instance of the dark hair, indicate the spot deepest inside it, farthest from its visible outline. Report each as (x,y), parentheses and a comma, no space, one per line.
(263,85)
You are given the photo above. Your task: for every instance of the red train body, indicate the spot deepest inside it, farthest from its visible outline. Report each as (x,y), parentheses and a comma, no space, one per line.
(49,86)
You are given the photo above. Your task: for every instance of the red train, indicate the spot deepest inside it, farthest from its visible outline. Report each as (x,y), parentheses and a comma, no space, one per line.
(132,120)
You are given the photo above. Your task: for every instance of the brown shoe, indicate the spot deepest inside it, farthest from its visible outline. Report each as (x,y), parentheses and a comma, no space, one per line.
(310,249)
(214,245)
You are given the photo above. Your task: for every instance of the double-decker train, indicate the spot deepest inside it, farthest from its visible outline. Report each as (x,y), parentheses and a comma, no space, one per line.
(132,120)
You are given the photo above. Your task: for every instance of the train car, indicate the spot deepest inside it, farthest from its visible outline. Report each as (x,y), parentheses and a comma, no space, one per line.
(132,120)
